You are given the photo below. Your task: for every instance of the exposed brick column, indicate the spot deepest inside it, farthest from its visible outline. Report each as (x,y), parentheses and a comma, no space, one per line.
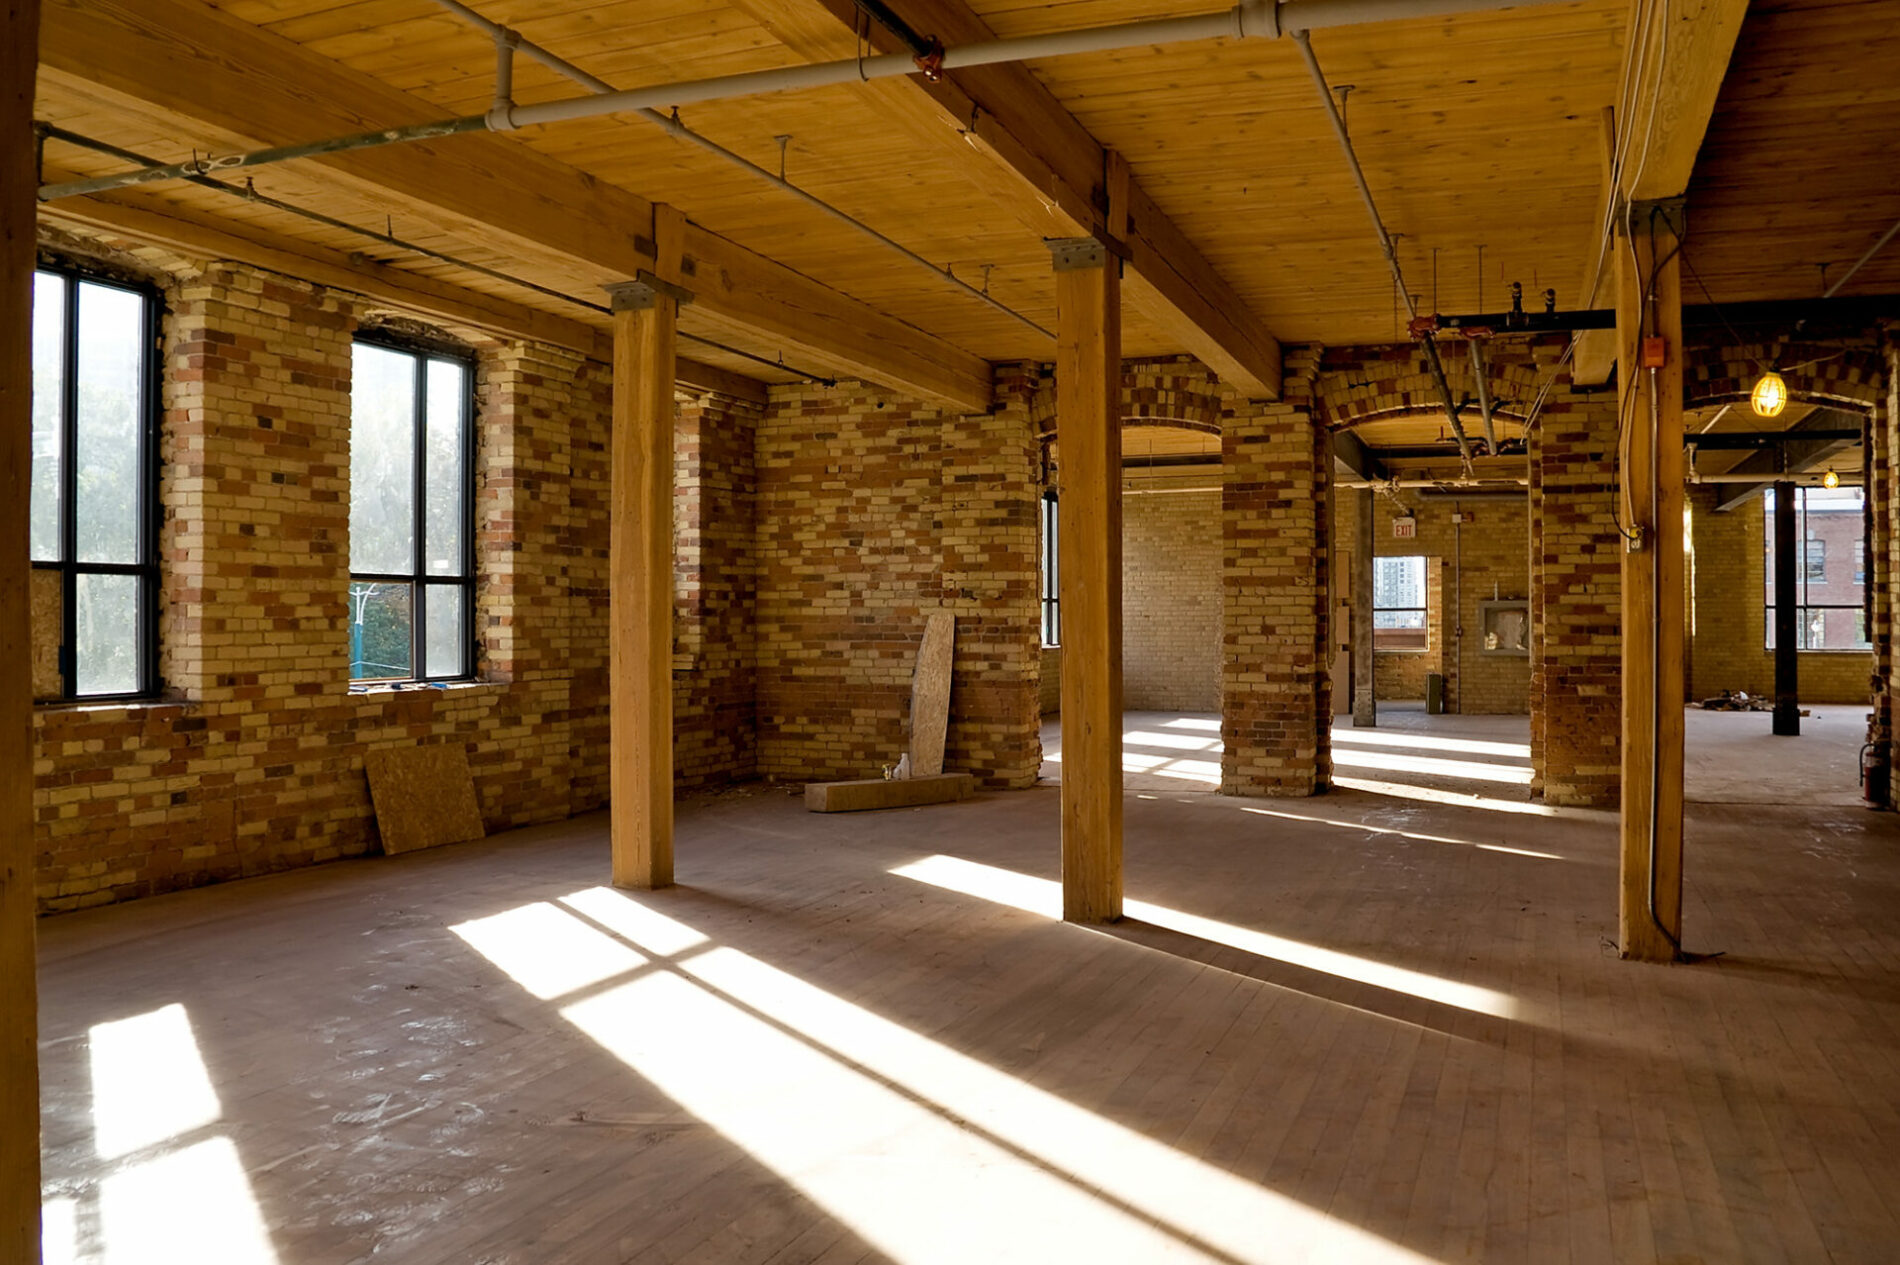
(715,658)
(991,580)
(1576,666)
(1276,690)
(873,509)
(1884,431)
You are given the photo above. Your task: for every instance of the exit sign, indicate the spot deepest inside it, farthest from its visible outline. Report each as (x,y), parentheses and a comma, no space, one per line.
(1405,528)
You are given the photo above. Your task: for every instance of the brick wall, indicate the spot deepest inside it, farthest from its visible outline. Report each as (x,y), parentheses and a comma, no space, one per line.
(715,678)
(1468,564)
(1171,601)
(872,510)
(252,760)
(1727,646)
(1276,692)
(1576,686)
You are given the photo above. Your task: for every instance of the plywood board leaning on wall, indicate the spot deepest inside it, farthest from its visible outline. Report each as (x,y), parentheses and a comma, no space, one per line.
(424,797)
(930,694)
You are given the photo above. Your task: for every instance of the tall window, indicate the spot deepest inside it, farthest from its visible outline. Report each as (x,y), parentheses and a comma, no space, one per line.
(1051,603)
(94,481)
(1398,604)
(411,534)
(1829,600)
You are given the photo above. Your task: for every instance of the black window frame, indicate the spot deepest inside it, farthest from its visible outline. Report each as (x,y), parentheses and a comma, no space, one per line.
(149,516)
(421,352)
(1424,629)
(1051,576)
(1805,610)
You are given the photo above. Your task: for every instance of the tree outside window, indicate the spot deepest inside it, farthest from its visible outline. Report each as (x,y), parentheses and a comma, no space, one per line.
(411,534)
(94,479)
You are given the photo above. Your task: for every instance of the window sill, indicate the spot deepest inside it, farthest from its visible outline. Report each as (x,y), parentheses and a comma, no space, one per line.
(364,688)
(67,705)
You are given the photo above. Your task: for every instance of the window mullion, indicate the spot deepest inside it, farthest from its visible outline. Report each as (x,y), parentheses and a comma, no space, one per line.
(69,493)
(418,557)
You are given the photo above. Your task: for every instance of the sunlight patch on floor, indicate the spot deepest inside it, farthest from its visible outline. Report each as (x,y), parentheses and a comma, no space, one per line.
(1044,896)
(927,1154)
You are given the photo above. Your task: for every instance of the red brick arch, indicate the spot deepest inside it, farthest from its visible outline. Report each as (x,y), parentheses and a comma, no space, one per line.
(1850,378)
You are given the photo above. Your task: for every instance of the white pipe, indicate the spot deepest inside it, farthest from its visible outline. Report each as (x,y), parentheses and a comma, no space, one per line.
(505,38)
(1253,18)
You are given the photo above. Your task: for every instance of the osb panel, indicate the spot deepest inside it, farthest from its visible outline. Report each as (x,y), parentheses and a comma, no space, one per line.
(424,796)
(930,695)
(48,615)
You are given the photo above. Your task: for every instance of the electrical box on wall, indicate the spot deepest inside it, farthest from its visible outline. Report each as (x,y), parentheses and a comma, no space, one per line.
(1404,528)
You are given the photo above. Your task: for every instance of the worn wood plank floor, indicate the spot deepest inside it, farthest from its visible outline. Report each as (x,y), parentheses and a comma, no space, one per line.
(1335,1029)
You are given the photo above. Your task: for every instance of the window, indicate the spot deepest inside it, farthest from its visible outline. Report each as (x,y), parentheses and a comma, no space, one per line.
(1398,604)
(94,482)
(1051,602)
(411,534)
(1829,611)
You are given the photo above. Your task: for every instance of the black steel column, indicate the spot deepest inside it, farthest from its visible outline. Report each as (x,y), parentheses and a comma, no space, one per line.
(1787,617)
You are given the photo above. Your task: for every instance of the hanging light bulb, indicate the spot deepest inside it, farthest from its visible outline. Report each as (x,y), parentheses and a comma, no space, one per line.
(1770,395)
(1830,480)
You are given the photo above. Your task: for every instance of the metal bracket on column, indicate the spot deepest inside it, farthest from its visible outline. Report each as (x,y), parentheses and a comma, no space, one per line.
(1672,211)
(1073,254)
(640,294)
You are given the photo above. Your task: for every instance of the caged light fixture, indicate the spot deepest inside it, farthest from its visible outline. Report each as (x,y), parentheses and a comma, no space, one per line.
(1770,395)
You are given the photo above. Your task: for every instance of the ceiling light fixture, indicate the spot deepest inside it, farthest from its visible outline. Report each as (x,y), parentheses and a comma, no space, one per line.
(1830,480)
(1770,395)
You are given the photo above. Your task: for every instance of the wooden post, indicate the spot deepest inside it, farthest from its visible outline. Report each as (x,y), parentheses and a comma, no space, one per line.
(1088,428)
(19,1042)
(1365,706)
(645,318)
(1649,348)
(1787,715)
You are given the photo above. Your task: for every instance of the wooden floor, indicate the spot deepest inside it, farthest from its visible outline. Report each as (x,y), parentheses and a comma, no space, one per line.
(1361,1027)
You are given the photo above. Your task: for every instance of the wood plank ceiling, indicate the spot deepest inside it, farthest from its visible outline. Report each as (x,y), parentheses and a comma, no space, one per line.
(1476,131)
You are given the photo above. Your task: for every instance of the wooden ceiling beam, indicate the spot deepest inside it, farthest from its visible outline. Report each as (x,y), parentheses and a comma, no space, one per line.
(140,218)
(1668,118)
(216,79)
(1013,139)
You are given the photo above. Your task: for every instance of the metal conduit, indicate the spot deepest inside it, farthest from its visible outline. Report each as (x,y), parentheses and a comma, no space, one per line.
(52,132)
(1254,18)
(553,61)
(1481,373)
(1433,362)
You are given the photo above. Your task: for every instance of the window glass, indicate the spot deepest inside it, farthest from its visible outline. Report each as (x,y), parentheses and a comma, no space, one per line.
(106,633)
(49,430)
(382,461)
(93,478)
(1829,600)
(447,468)
(410,497)
(1398,603)
(1051,599)
(111,414)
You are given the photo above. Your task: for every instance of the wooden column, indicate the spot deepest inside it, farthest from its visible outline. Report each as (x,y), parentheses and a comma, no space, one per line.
(1365,707)
(19,1045)
(1649,337)
(1089,547)
(1787,715)
(645,318)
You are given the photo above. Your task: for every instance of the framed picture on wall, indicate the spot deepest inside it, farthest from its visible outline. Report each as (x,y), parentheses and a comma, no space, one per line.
(1504,626)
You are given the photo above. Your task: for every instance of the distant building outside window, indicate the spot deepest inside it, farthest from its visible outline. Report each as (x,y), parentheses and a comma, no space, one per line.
(1830,611)
(1398,604)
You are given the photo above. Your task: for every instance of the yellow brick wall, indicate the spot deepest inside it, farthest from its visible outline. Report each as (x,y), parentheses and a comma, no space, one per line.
(1728,614)
(1171,601)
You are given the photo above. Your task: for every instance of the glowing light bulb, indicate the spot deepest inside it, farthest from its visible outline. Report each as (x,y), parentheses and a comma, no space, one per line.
(1830,480)
(1770,395)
